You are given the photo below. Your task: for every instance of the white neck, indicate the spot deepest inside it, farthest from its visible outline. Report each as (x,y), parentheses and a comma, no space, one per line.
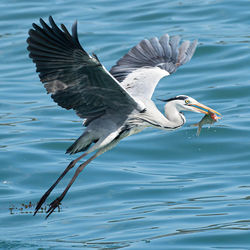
(173,114)
(173,119)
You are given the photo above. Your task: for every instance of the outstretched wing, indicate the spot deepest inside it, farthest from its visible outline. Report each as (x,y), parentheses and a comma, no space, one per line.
(144,65)
(74,78)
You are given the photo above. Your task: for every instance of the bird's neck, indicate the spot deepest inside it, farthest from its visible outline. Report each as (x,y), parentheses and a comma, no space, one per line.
(174,115)
(173,119)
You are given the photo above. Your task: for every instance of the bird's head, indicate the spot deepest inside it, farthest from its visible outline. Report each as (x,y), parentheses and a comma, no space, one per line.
(187,103)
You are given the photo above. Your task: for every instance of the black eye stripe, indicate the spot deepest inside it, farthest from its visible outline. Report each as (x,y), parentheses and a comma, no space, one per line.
(181,97)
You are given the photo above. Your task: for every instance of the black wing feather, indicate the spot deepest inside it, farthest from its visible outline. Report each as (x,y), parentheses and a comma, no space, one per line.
(74,79)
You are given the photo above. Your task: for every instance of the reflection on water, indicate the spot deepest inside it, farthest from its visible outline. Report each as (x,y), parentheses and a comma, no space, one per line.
(29,208)
(18,120)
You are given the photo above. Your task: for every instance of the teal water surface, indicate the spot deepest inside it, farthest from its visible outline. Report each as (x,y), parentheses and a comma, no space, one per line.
(157,189)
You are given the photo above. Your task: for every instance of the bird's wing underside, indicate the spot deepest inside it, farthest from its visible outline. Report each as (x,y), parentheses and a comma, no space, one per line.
(74,78)
(145,64)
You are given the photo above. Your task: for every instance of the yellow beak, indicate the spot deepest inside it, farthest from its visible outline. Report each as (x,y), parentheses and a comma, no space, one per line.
(203,109)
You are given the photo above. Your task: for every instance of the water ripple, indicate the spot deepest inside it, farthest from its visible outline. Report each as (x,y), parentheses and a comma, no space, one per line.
(155,189)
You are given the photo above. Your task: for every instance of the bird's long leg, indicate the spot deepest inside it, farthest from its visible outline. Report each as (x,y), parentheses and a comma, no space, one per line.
(56,202)
(47,193)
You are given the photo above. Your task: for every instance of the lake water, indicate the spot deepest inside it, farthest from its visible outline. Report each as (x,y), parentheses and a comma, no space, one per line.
(155,190)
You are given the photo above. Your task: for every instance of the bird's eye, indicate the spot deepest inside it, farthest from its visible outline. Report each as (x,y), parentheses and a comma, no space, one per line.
(187,101)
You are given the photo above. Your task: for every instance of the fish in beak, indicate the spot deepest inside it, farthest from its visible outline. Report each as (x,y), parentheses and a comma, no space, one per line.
(209,118)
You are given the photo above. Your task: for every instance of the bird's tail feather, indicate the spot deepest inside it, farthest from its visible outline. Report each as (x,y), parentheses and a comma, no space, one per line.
(81,144)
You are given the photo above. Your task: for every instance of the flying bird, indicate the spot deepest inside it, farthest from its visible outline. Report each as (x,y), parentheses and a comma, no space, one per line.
(116,103)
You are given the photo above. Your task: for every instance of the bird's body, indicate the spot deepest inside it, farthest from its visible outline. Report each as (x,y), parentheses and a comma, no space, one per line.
(111,127)
(114,104)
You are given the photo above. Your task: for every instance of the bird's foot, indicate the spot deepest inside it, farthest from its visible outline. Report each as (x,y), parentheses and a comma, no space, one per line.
(45,196)
(53,205)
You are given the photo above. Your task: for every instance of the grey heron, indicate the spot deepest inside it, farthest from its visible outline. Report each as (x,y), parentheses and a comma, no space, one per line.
(116,103)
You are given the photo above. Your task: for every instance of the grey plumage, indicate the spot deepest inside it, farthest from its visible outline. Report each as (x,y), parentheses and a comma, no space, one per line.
(115,104)
(163,53)
(78,81)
